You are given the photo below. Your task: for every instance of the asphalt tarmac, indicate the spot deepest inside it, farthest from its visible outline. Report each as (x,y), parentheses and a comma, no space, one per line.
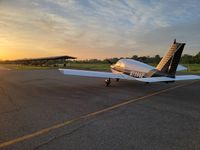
(45,110)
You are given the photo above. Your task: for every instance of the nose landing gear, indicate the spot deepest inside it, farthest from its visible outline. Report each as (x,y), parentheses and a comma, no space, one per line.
(107,82)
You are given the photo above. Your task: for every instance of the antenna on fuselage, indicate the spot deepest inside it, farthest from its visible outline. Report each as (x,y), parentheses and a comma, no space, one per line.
(174,41)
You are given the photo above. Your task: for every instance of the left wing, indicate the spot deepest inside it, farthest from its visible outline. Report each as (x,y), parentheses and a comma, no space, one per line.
(98,74)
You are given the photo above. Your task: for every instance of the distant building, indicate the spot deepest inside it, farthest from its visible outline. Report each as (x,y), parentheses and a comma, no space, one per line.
(42,61)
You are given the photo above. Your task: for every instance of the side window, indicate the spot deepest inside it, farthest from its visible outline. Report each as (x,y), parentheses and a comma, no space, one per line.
(119,64)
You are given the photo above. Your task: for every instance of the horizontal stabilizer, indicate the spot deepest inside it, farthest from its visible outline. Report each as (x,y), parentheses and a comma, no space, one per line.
(166,79)
(181,68)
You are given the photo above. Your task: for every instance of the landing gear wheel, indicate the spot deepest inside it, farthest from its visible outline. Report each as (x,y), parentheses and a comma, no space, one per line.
(107,82)
(117,80)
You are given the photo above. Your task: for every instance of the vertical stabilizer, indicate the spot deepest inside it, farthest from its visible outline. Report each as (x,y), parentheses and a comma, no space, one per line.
(170,61)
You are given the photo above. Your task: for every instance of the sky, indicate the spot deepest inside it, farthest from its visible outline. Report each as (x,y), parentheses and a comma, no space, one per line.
(96,28)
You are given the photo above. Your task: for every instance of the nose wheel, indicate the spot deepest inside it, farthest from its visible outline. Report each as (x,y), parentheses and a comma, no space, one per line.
(107,82)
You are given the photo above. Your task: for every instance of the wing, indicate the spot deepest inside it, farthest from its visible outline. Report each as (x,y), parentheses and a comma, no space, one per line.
(98,74)
(165,79)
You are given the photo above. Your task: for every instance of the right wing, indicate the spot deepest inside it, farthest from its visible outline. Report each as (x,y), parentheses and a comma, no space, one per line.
(167,79)
(98,74)
(111,75)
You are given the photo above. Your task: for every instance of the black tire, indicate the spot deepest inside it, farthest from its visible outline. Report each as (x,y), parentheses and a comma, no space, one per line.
(107,82)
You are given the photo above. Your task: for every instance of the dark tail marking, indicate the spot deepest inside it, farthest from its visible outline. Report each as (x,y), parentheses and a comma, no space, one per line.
(171,59)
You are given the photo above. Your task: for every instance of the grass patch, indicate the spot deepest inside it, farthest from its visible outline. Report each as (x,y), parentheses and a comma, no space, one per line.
(81,66)
(87,66)
(192,68)
(23,67)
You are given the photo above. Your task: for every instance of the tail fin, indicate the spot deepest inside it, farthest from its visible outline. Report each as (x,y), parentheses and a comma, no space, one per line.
(170,61)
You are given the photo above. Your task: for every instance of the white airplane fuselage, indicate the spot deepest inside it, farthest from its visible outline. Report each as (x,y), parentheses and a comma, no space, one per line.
(131,67)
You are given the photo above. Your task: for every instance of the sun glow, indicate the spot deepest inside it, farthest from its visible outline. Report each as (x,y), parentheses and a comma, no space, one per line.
(95,29)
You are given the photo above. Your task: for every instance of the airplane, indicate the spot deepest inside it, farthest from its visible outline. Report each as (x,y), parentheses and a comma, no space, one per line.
(130,69)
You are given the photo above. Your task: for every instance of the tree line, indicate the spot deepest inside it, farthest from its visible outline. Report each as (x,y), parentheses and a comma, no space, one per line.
(185,59)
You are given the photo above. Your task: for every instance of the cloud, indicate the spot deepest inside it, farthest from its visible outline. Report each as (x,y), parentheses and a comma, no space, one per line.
(97,28)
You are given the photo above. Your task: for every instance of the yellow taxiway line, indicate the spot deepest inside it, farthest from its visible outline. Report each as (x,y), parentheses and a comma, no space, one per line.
(84,117)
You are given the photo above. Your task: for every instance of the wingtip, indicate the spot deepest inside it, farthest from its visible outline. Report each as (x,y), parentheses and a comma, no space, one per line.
(61,70)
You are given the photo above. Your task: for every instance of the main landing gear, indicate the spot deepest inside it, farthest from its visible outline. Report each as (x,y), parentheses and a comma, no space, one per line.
(107,82)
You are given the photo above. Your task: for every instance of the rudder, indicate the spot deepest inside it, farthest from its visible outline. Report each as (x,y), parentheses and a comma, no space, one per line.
(171,59)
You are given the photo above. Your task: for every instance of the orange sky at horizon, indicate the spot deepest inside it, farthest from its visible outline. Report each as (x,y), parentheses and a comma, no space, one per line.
(95,29)
(12,51)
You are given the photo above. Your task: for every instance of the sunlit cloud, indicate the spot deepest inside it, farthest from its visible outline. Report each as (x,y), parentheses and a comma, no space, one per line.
(96,29)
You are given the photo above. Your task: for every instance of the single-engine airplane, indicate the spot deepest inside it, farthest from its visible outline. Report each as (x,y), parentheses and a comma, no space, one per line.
(130,69)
